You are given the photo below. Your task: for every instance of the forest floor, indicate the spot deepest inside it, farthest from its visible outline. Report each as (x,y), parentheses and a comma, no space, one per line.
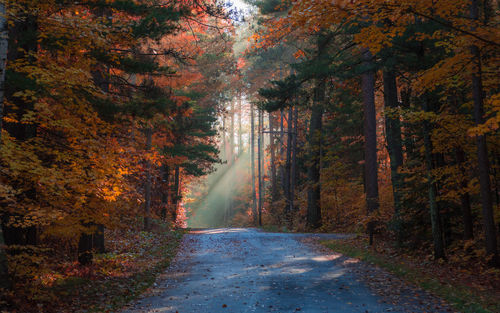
(247,270)
(133,261)
(465,283)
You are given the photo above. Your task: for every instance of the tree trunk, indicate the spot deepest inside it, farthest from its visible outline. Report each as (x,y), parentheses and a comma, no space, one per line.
(313,172)
(437,232)
(263,155)
(293,179)
(85,246)
(288,164)
(231,136)
(101,80)
(176,196)
(282,154)
(464,197)
(98,239)
(274,187)
(147,188)
(165,191)
(229,194)
(370,147)
(439,162)
(228,162)
(4,42)
(408,141)
(259,159)
(252,158)
(495,162)
(490,231)
(240,132)
(22,42)
(394,146)
(5,282)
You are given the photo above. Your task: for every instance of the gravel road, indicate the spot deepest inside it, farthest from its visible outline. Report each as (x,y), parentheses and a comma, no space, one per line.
(247,270)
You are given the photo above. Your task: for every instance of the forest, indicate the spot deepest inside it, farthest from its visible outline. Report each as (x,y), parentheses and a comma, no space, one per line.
(125,122)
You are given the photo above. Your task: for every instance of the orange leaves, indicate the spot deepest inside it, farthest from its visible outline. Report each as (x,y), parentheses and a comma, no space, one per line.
(299,54)
(241,63)
(376,38)
(453,70)
(110,194)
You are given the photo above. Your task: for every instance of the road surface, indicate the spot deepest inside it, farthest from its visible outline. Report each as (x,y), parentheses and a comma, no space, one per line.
(247,270)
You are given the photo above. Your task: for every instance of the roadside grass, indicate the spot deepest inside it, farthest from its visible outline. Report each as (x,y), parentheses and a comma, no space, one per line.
(274,228)
(270,228)
(463,298)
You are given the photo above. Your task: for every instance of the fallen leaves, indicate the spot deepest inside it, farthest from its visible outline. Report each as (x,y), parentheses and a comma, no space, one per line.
(438,277)
(129,268)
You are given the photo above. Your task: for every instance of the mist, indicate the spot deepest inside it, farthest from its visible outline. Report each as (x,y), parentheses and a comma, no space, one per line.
(222,198)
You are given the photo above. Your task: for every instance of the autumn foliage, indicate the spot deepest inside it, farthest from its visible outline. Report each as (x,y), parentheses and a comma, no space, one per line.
(426,74)
(98,131)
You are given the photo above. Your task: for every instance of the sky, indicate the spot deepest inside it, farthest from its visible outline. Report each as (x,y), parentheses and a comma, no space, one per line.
(240,4)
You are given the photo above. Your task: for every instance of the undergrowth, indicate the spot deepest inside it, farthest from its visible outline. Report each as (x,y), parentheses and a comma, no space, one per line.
(131,266)
(432,277)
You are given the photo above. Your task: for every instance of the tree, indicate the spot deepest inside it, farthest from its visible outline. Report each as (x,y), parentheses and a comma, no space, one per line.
(370,133)
(394,144)
(4,277)
(252,160)
(313,173)
(490,230)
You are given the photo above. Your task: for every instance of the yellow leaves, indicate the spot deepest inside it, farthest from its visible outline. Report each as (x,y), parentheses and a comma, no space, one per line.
(110,193)
(492,123)
(490,126)
(376,38)
(33,216)
(452,71)
(26,95)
